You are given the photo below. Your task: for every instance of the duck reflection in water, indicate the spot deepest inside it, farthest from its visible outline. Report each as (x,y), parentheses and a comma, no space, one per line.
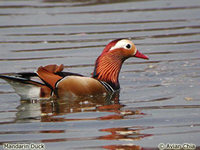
(56,110)
(51,110)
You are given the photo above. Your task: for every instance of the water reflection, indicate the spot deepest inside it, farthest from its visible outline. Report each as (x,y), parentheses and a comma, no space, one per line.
(47,110)
(123,147)
(125,133)
(56,110)
(28,111)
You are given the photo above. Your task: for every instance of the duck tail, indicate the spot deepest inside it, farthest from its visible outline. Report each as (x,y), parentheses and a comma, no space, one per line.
(27,89)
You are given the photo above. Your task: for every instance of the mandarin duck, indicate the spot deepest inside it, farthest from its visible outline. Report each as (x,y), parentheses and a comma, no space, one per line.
(50,81)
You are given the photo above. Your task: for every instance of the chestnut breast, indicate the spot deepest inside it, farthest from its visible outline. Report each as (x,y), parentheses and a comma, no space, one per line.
(73,86)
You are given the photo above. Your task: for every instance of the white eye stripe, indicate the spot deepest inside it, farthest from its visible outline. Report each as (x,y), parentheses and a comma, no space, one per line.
(122,44)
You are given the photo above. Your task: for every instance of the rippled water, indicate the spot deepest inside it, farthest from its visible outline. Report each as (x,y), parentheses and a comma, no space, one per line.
(159,101)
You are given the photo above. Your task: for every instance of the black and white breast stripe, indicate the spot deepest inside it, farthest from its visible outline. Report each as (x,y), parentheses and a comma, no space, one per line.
(107,86)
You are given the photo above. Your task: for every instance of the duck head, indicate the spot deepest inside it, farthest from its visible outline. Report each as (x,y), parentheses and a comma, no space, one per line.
(108,64)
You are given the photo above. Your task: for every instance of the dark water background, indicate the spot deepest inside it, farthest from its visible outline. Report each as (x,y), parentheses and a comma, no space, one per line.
(159,100)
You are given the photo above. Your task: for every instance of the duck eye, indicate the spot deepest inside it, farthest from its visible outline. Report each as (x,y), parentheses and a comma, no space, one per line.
(128,46)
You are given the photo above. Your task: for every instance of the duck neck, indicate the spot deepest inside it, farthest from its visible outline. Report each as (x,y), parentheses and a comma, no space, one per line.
(107,69)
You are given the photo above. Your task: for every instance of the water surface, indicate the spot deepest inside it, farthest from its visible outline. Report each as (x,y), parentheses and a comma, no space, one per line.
(159,99)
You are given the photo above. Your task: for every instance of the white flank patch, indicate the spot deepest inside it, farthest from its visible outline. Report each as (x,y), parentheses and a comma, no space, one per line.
(26,91)
(34,92)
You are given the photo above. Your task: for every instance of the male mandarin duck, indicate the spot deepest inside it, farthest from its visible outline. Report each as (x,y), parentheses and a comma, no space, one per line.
(51,81)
